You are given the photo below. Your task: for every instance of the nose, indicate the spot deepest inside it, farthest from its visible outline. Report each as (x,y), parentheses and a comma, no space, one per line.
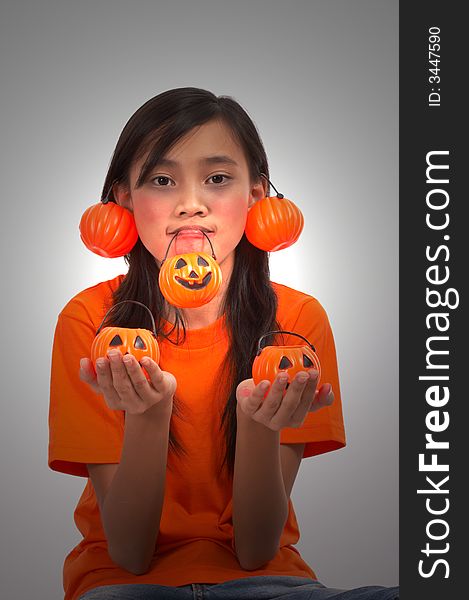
(193,275)
(191,203)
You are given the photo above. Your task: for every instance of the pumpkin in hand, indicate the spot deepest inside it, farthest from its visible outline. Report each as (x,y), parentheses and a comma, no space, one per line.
(138,342)
(270,360)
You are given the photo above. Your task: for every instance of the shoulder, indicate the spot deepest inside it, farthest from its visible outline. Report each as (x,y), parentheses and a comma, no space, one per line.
(294,304)
(90,304)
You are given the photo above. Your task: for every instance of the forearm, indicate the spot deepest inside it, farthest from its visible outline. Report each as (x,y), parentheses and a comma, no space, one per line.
(260,505)
(133,503)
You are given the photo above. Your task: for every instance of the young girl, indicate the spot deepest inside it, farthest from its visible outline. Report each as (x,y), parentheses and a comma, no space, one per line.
(190,465)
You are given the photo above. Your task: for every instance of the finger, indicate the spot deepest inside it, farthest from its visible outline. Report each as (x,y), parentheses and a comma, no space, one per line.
(311,385)
(250,398)
(104,378)
(243,394)
(245,387)
(293,401)
(121,381)
(272,404)
(88,374)
(154,371)
(324,397)
(137,377)
(162,382)
(308,392)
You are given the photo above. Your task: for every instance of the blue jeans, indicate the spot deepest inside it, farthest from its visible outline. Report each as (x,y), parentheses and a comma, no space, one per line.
(246,588)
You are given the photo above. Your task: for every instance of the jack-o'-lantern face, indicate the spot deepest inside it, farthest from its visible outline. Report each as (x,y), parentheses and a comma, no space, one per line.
(189,277)
(190,280)
(139,342)
(289,359)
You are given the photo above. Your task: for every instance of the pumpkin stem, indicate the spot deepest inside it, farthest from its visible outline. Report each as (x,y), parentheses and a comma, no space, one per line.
(106,198)
(270,183)
(177,232)
(259,349)
(134,302)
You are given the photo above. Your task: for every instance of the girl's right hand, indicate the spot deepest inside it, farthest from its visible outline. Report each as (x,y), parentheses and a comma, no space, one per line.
(123,384)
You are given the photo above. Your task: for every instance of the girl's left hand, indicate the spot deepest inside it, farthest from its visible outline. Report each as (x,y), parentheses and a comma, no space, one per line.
(278,410)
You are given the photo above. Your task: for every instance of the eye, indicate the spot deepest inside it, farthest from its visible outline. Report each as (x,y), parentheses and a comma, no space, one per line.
(139,343)
(202,262)
(285,363)
(180,263)
(116,341)
(307,362)
(161,181)
(213,177)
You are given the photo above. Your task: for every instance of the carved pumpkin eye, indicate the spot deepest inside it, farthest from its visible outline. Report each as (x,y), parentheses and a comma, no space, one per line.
(307,362)
(139,343)
(180,263)
(116,341)
(202,262)
(285,363)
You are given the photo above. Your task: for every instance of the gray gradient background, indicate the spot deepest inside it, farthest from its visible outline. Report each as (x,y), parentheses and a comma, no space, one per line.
(320,80)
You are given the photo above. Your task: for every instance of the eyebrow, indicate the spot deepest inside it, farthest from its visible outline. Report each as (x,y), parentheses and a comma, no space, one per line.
(208,160)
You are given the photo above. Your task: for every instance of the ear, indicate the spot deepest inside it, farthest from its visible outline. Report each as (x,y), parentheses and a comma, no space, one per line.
(122,195)
(257,193)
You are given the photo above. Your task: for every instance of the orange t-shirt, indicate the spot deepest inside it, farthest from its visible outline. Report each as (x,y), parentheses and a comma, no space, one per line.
(195,540)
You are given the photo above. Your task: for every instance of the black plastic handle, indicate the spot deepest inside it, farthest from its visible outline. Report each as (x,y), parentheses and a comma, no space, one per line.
(177,232)
(134,302)
(259,349)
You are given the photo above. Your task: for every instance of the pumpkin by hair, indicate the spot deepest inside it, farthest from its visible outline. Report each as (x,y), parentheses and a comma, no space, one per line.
(108,230)
(274,222)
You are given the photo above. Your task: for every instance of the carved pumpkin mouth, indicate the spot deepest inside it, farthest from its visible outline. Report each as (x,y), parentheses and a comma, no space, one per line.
(193,285)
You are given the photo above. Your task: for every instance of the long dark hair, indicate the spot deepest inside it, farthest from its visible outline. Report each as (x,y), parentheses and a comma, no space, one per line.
(250,303)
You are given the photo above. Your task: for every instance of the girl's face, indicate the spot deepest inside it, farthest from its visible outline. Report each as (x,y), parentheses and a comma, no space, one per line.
(202,181)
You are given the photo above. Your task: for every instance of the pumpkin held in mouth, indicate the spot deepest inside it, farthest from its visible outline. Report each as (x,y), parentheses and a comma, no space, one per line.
(270,360)
(190,280)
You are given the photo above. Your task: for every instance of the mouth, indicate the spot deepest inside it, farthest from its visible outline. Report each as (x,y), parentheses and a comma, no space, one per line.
(191,229)
(193,285)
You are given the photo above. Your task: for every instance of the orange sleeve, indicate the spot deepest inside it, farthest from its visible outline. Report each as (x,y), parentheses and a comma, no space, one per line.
(322,430)
(82,428)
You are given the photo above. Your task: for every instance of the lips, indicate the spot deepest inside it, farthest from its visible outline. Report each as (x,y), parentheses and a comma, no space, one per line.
(190,233)
(194,229)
